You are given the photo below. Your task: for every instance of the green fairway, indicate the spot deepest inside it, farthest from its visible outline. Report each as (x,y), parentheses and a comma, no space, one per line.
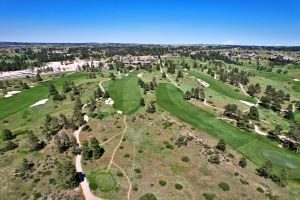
(126,94)
(221,87)
(28,97)
(257,148)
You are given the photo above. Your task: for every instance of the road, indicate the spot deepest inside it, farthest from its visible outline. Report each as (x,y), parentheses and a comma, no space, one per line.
(84,184)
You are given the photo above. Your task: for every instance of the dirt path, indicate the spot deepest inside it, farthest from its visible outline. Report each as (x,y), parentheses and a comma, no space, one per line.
(206,104)
(123,133)
(129,182)
(174,82)
(257,130)
(84,184)
(100,85)
(110,139)
(243,90)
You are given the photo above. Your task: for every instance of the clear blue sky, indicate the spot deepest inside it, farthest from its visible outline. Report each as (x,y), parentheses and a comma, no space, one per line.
(260,22)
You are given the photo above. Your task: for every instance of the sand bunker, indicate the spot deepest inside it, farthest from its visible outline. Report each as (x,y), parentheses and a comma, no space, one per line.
(40,102)
(140,75)
(296,79)
(119,112)
(126,74)
(203,83)
(11,93)
(109,101)
(247,103)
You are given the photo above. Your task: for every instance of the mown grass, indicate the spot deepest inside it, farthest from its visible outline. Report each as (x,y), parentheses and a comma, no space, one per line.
(257,148)
(28,97)
(102,180)
(126,94)
(221,87)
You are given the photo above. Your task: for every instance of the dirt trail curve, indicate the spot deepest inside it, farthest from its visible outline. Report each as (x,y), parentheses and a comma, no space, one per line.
(129,182)
(88,195)
(117,147)
(100,85)
(243,90)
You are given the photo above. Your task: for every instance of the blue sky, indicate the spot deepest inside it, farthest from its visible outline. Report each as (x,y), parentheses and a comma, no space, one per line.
(259,22)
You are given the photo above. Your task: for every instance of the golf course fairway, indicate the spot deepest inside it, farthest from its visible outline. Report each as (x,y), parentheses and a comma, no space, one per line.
(220,87)
(28,97)
(256,148)
(126,94)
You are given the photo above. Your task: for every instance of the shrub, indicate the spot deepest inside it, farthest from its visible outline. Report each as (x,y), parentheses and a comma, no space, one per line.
(185,159)
(162,182)
(93,185)
(138,171)
(224,186)
(120,174)
(127,155)
(135,188)
(209,196)
(244,182)
(260,189)
(178,186)
(169,146)
(215,159)
(37,195)
(243,162)
(148,196)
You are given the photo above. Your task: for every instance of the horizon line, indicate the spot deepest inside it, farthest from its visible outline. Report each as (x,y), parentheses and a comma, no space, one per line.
(169,44)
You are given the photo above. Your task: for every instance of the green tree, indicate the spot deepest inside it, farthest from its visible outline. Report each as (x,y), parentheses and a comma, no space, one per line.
(221,145)
(243,162)
(33,141)
(66,174)
(7,134)
(38,77)
(52,89)
(254,114)
(142,102)
(266,170)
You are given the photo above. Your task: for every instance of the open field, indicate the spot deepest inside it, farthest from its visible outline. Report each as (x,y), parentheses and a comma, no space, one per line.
(256,148)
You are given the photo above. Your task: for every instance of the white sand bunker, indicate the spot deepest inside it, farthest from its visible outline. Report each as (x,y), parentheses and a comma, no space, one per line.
(296,79)
(140,75)
(203,83)
(109,101)
(126,74)
(11,93)
(40,102)
(119,112)
(31,86)
(86,118)
(247,103)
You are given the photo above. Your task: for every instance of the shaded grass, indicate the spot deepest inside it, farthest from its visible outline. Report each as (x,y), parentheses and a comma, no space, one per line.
(255,147)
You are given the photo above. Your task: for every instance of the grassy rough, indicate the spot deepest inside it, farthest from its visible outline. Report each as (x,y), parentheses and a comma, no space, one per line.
(221,87)
(257,148)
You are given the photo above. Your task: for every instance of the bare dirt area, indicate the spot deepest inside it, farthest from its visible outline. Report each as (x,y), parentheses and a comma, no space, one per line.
(149,161)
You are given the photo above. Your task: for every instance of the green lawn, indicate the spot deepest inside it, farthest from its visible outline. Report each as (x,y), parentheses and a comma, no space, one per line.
(126,94)
(257,148)
(28,97)
(221,87)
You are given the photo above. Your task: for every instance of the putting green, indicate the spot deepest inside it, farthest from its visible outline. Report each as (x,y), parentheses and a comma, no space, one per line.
(126,94)
(257,148)
(221,87)
(102,180)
